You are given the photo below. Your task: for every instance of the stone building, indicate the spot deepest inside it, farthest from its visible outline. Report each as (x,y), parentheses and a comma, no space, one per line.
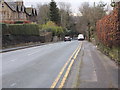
(15,11)
(31,14)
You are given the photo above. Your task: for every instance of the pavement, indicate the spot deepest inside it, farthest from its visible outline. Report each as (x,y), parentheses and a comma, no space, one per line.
(72,64)
(95,70)
(22,47)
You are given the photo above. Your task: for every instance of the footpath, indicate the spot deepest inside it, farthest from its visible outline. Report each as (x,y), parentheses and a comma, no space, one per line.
(23,47)
(93,69)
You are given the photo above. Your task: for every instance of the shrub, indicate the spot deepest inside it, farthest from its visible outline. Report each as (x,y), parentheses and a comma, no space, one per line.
(8,22)
(52,27)
(27,22)
(18,22)
(23,29)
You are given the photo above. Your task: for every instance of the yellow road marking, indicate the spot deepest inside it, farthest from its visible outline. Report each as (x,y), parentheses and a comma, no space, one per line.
(77,52)
(62,70)
(68,69)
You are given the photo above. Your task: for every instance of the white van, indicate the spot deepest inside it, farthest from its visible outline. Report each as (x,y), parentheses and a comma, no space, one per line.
(81,37)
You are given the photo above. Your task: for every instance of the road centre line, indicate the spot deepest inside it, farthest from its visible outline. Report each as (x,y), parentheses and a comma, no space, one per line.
(69,68)
(13,60)
(32,53)
(13,84)
(63,69)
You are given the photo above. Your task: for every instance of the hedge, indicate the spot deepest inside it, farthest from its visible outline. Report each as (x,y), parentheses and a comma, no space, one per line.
(4,29)
(20,29)
(108,28)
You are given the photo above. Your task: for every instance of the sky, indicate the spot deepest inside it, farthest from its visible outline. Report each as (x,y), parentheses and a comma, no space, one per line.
(75,4)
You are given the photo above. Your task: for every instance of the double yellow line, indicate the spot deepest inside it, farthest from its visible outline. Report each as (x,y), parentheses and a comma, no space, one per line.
(72,59)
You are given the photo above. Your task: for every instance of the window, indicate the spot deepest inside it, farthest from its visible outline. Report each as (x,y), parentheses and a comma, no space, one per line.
(2,5)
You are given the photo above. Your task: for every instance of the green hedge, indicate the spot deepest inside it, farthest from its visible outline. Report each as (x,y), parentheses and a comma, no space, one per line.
(23,29)
(4,29)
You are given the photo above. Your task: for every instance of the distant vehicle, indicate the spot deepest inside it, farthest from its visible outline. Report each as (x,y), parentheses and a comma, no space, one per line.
(67,38)
(81,37)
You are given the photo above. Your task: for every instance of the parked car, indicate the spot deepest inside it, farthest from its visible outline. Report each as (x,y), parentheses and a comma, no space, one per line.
(67,38)
(81,37)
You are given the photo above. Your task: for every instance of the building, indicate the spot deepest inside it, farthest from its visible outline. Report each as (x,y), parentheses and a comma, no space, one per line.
(15,11)
(31,14)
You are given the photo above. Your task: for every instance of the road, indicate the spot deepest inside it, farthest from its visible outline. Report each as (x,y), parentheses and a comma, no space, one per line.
(96,70)
(35,67)
(40,67)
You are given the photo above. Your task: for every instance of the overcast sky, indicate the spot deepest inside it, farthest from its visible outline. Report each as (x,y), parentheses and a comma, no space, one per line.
(75,4)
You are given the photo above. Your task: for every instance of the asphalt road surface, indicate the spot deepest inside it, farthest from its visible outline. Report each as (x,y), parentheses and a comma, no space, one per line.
(38,67)
(96,70)
(35,67)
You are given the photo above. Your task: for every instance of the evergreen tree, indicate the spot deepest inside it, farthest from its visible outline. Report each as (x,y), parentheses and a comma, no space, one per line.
(54,13)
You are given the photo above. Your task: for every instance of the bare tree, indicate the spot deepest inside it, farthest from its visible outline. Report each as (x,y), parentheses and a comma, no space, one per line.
(43,13)
(65,6)
(90,15)
(65,10)
(93,13)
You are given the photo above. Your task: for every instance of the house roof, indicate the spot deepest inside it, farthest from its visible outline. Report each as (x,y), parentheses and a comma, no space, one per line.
(20,8)
(31,11)
(12,5)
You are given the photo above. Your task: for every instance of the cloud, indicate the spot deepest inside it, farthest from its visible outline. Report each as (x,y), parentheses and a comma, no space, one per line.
(75,4)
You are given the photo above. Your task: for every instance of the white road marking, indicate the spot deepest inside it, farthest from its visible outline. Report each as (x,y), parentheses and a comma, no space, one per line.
(13,60)
(32,53)
(94,78)
(12,85)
